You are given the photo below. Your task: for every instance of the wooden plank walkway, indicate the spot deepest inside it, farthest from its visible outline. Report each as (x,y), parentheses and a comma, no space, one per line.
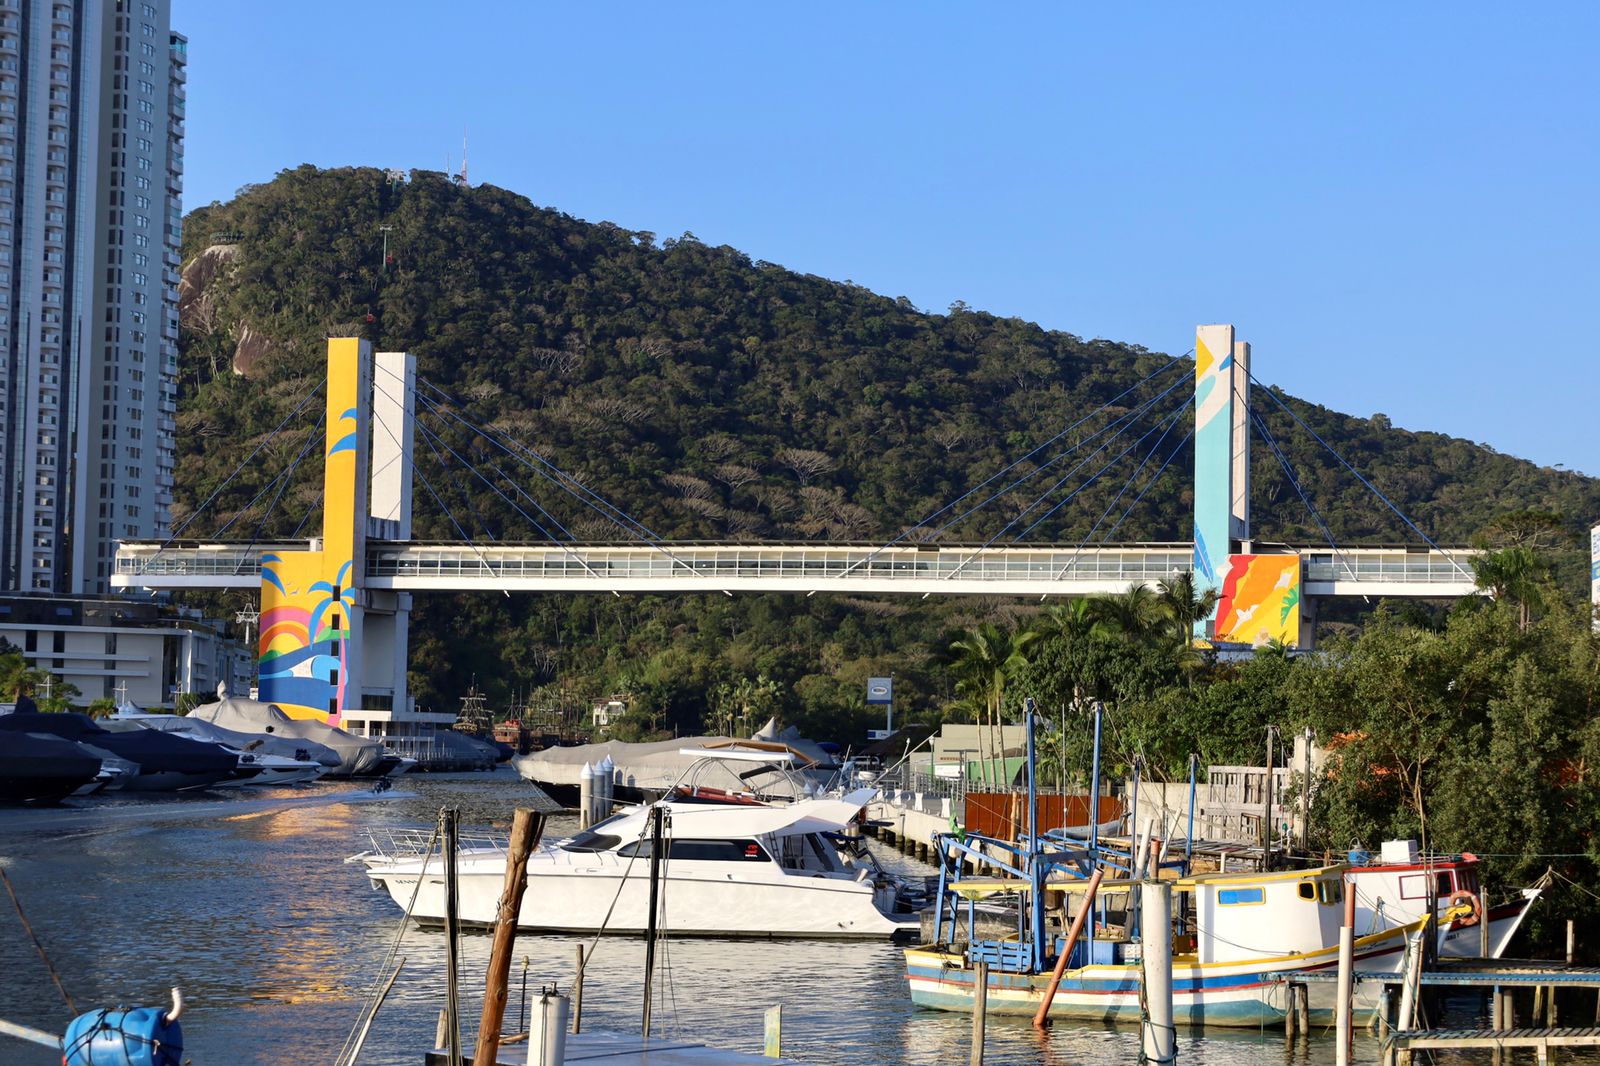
(1541,1040)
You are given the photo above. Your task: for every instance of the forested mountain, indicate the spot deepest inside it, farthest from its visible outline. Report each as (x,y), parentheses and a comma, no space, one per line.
(712,396)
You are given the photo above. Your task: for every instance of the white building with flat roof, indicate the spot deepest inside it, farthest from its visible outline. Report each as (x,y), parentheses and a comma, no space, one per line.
(124,650)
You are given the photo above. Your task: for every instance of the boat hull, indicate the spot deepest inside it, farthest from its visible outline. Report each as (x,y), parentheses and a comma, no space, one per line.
(1250,993)
(566,896)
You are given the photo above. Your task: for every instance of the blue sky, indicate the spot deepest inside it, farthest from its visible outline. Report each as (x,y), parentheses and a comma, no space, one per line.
(1396,204)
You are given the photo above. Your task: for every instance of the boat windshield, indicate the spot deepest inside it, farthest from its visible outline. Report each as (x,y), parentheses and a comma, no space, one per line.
(595,838)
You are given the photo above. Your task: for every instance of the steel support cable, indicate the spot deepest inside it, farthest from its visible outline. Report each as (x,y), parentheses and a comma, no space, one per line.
(462,489)
(1126,419)
(522,492)
(280,476)
(1167,421)
(650,539)
(1294,482)
(255,534)
(1012,465)
(1358,476)
(429,486)
(525,515)
(559,477)
(1170,421)
(315,504)
(1134,416)
(1187,437)
(312,391)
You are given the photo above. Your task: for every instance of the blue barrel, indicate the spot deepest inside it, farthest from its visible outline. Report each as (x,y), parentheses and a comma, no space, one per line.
(1360,856)
(138,1037)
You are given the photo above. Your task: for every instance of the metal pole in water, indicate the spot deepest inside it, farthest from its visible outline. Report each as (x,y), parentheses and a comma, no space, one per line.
(657,816)
(452,933)
(1094,787)
(1160,1037)
(1188,840)
(1347,959)
(526,828)
(1035,866)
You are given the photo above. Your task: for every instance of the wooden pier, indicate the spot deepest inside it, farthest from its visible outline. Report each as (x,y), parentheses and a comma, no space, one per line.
(1499,979)
(1499,1040)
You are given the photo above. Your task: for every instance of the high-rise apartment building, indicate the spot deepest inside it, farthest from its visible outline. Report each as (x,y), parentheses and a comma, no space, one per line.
(91,165)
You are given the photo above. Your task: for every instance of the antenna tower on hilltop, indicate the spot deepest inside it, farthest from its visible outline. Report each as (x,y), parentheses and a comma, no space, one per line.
(460,178)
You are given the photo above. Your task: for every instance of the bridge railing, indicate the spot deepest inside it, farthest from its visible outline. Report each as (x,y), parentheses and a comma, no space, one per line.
(1371,565)
(503,561)
(206,561)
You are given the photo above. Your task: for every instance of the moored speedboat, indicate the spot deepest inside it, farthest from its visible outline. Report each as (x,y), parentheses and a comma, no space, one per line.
(166,763)
(735,870)
(43,768)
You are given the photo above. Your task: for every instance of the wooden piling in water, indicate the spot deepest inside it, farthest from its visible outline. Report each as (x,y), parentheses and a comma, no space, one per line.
(577,994)
(980,1009)
(526,828)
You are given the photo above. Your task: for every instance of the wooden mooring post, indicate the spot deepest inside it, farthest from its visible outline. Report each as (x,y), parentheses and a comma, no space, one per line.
(526,828)
(980,1009)
(577,994)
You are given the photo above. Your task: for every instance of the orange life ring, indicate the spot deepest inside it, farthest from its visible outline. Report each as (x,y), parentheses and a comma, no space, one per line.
(1461,898)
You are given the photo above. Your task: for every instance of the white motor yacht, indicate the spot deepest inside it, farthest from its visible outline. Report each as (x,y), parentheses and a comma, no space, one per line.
(737,869)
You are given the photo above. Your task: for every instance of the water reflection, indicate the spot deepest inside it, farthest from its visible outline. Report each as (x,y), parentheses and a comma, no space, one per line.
(246,902)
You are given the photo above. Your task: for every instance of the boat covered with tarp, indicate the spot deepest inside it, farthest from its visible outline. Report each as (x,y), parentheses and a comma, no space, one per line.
(43,768)
(645,772)
(166,763)
(358,756)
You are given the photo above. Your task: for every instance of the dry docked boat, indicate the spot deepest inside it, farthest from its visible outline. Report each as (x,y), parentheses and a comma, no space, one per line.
(1247,933)
(728,869)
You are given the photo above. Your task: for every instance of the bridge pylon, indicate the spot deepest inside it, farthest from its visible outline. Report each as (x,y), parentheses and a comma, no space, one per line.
(1259,595)
(331,647)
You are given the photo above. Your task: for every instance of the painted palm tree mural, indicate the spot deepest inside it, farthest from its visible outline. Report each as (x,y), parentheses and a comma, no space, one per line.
(308,599)
(305,635)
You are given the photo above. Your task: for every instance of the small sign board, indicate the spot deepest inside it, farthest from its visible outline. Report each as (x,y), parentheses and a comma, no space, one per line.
(880,691)
(879,734)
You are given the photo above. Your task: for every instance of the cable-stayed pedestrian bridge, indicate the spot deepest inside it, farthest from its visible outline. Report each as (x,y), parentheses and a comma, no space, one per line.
(335,607)
(1392,571)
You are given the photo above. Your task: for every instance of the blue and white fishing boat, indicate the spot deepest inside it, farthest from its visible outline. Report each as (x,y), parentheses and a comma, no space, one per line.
(1245,936)
(1238,939)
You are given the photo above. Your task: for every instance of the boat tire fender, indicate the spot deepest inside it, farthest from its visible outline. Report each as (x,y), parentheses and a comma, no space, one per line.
(1460,898)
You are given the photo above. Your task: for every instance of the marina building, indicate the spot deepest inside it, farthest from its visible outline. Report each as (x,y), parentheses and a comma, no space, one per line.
(122,649)
(91,172)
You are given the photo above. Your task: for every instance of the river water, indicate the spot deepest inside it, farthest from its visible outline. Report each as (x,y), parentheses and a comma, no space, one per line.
(245,902)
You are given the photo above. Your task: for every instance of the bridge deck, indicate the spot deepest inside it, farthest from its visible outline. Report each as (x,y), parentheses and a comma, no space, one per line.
(799,567)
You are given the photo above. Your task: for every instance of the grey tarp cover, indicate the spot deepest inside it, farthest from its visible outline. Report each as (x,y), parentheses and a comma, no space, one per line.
(357,755)
(654,766)
(201,729)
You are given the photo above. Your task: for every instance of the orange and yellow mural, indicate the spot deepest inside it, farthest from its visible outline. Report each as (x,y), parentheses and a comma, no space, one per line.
(1260,600)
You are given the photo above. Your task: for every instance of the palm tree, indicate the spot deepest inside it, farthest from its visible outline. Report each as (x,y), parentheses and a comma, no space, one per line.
(1185,604)
(1515,574)
(1135,613)
(984,659)
(1071,620)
